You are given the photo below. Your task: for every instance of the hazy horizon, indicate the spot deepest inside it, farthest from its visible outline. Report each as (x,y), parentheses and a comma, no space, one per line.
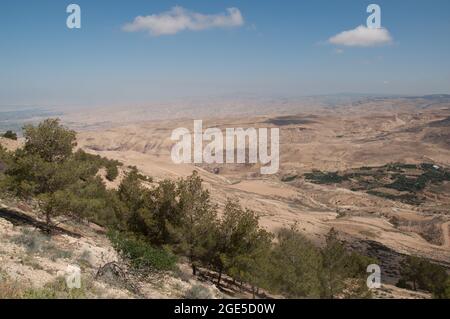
(142,52)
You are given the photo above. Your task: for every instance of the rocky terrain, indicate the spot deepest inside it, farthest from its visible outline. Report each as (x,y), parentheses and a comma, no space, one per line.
(34,265)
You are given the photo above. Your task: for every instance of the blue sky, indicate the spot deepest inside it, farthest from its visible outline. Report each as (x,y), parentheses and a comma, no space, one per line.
(280,48)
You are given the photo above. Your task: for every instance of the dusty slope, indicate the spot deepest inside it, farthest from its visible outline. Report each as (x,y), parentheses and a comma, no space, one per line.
(30,261)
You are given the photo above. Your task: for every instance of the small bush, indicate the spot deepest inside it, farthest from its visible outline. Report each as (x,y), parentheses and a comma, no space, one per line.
(58,289)
(198,292)
(10,135)
(289,178)
(37,243)
(112,172)
(86,258)
(402,283)
(141,254)
(182,275)
(33,241)
(97,162)
(56,253)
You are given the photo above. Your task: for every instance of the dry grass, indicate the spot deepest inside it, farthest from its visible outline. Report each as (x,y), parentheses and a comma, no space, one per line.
(10,289)
(36,242)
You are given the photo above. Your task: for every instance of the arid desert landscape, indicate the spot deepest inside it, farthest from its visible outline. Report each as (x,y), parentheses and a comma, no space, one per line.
(228,157)
(376,170)
(373,135)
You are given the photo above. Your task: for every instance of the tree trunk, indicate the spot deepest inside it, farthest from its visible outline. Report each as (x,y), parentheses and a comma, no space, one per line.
(220,277)
(191,260)
(48,221)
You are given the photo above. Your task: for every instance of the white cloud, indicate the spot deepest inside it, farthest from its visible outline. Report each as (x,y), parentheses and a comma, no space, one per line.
(179,19)
(362,36)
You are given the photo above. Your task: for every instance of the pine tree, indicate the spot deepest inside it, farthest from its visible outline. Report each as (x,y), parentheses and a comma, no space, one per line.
(166,214)
(333,266)
(40,169)
(295,266)
(49,140)
(198,221)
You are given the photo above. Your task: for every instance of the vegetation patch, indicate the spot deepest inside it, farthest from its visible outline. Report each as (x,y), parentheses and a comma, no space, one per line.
(290,120)
(289,178)
(58,289)
(10,135)
(409,180)
(140,254)
(418,273)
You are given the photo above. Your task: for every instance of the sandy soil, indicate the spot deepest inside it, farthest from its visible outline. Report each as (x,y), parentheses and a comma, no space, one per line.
(10,145)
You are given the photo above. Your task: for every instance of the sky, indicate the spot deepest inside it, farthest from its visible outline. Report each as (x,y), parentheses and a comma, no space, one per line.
(141,51)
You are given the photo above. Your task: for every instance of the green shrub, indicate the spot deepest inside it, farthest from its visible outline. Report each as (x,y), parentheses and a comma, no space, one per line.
(431,175)
(356,265)
(141,255)
(97,162)
(295,266)
(422,274)
(402,283)
(289,178)
(112,172)
(10,135)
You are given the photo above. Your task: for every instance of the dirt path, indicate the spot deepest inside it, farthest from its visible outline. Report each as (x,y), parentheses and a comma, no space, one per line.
(446,234)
